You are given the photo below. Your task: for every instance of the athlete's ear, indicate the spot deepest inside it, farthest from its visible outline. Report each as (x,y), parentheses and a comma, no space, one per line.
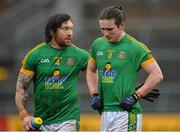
(51,33)
(122,24)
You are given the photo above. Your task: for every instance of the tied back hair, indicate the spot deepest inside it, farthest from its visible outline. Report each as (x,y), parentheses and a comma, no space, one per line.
(113,12)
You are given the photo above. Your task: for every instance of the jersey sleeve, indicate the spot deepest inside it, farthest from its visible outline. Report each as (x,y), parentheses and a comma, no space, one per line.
(148,59)
(93,52)
(29,63)
(142,56)
(84,60)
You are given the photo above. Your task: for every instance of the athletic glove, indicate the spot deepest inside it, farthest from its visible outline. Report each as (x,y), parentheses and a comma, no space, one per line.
(150,96)
(95,102)
(128,102)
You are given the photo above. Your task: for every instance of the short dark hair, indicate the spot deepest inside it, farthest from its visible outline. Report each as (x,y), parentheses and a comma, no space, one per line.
(54,23)
(113,12)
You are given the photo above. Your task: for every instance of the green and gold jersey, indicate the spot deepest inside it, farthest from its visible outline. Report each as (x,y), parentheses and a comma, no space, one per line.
(55,81)
(118,65)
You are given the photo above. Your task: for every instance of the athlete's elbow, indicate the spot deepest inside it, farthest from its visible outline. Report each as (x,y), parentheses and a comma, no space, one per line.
(160,76)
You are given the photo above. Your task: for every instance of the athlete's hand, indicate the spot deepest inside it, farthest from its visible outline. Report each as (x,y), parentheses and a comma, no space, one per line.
(128,102)
(95,102)
(27,123)
(150,96)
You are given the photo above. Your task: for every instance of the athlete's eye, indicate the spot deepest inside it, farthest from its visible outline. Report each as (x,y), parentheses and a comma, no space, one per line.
(107,29)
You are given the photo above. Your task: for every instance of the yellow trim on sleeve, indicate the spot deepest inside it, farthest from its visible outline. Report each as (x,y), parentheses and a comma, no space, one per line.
(27,72)
(149,61)
(92,60)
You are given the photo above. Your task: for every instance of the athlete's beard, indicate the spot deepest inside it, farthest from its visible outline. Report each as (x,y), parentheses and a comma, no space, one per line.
(62,43)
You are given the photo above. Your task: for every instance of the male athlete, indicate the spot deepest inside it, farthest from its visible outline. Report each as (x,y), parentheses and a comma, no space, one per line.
(53,66)
(112,72)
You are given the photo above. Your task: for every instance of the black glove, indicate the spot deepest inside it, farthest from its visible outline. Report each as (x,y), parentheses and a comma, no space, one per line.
(128,102)
(150,96)
(96,103)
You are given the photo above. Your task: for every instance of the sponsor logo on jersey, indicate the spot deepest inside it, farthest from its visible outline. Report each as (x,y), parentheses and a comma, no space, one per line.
(70,62)
(99,53)
(55,81)
(108,74)
(122,55)
(45,61)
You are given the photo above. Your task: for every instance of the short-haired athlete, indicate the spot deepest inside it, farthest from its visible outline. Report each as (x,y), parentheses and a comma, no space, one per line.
(53,66)
(112,72)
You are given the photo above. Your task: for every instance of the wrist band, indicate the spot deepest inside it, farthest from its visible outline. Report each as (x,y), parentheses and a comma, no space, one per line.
(138,94)
(93,92)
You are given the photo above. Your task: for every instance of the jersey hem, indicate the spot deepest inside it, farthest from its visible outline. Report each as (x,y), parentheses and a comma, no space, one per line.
(118,108)
(60,121)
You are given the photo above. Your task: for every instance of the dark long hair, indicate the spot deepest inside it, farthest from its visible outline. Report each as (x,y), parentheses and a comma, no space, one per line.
(54,23)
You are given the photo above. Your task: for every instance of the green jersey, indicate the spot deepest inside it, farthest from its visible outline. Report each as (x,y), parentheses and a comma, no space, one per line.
(118,65)
(55,81)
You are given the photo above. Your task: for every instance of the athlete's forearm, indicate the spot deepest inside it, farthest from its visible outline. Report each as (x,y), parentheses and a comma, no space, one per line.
(150,83)
(155,76)
(92,77)
(21,96)
(92,81)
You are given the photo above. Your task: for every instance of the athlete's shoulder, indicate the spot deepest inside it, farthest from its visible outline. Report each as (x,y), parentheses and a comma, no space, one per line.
(98,40)
(32,54)
(131,39)
(79,50)
(134,43)
(37,48)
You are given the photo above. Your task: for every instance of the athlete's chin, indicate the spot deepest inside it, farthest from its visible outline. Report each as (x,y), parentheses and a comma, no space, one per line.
(111,40)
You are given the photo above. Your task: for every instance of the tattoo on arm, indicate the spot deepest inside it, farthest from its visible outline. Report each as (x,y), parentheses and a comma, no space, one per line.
(24,81)
(24,101)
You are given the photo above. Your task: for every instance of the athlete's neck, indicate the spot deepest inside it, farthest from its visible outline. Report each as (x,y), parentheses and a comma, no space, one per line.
(122,35)
(55,45)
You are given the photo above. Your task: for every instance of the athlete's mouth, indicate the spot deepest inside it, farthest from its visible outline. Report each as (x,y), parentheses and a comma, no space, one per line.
(68,41)
(108,38)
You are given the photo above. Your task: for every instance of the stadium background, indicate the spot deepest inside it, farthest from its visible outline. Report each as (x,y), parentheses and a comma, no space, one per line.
(154,22)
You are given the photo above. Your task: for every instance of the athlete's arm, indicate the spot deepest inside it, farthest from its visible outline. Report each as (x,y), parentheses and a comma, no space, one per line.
(92,77)
(154,77)
(21,96)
